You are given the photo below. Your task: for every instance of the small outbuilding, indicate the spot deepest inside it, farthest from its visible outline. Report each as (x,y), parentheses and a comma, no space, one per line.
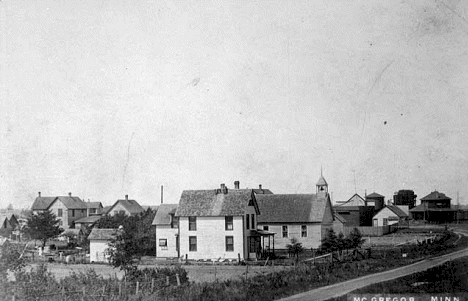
(99,243)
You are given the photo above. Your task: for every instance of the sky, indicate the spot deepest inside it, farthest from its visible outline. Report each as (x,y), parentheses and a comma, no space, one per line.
(111,98)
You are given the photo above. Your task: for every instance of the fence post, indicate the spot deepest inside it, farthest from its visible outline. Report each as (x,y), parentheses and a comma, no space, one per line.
(137,287)
(120,289)
(84,293)
(167,280)
(63,292)
(178,279)
(246,271)
(152,285)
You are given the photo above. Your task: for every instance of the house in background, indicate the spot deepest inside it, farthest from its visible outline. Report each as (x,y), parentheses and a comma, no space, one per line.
(355,200)
(355,212)
(390,215)
(94,208)
(125,206)
(67,209)
(305,217)
(87,222)
(99,243)
(219,224)
(435,208)
(405,198)
(167,231)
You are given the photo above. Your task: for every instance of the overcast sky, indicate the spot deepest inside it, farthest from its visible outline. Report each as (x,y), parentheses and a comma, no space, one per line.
(107,98)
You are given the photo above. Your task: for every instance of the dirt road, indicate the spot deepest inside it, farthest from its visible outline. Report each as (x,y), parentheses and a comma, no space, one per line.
(343,288)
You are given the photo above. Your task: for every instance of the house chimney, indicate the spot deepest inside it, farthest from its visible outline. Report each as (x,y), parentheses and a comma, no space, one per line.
(39,193)
(126,197)
(236,184)
(69,194)
(260,186)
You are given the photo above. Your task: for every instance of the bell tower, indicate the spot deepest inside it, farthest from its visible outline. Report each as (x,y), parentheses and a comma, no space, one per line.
(322,185)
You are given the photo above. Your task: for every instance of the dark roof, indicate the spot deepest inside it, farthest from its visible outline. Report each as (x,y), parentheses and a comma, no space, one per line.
(262,191)
(88,219)
(215,203)
(435,195)
(102,234)
(96,205)
(291,208)
(106,209)
(42,203)
(375,195)
(339,218)
(162,216)
(394,209)
(132,206)
(153,208)
(72,202)
(355,200)
(423,208)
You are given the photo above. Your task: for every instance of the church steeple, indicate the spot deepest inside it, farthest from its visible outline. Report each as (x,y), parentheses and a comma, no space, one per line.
(322,185)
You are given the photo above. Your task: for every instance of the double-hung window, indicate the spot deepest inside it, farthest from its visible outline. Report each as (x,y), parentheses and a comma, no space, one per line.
(192,223)
(229,243)
(285,231)
(304,231)
(192,243)
(229,223)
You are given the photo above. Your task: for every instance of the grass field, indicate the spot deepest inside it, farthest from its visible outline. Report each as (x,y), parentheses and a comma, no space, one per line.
(196,273)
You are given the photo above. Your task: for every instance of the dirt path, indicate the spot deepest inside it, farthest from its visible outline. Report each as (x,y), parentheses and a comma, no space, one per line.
(342,288)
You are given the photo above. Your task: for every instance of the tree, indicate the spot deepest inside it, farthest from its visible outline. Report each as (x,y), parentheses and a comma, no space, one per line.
(355,239)
(10,258)
(42,226)
(330,241)
(295,248)
(10,207)
(123,251)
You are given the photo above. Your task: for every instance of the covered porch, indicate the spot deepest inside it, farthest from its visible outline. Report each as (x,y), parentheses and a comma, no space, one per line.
(261,245)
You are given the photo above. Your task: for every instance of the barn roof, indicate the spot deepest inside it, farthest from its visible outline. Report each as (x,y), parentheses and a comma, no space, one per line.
(214,202)
(291,208)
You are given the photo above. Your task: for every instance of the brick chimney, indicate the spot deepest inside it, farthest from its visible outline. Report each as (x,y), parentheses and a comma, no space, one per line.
(69,194)
(126,197)
(39,193)
(260,186)
(236,184)
(223,188)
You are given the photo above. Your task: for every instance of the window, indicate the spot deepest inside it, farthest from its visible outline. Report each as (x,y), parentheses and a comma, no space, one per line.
(304,231)
(73,213)
(229,223)
(253,221)
(175,222)
(116,212)
(60,213)
(285,231)
(266,228)
(163,242)
(385,222)
(247,221)
(122,212)
(192,226)
(192,243)
(229,243)
(92,210)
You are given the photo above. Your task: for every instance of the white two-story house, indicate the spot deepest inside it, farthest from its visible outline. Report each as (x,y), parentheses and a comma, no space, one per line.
(219,224)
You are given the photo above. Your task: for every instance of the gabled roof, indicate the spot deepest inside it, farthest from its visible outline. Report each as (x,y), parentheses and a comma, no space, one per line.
(102,234)
(131,206)
(95,205)
(291,208)
(215,203)
(71,202)
(88,219)
(42,203)
(375,195)
(163,215)
(435,195)
(398,212)
(355,200)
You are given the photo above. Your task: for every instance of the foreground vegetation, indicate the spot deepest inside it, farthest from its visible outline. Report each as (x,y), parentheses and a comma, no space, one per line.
(152,283)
